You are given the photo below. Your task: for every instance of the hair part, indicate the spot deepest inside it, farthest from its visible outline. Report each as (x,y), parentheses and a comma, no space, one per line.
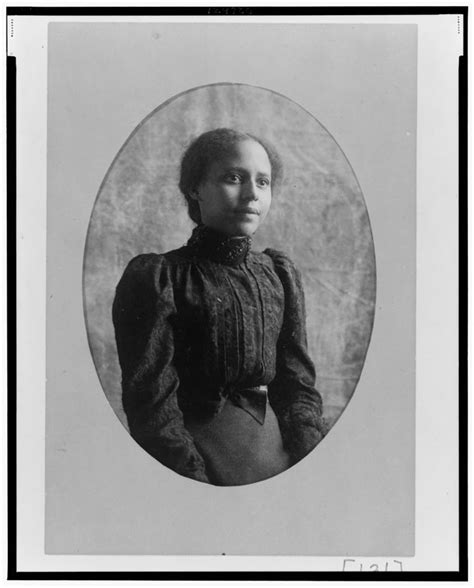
(209,147)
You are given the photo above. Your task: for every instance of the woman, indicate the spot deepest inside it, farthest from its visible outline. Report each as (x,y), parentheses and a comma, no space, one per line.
(217,382)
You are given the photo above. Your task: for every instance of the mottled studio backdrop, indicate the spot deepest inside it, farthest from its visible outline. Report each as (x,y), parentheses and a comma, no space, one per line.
(318,217)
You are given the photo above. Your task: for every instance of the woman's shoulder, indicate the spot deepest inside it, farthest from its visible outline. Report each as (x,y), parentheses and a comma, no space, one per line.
(154,261)
(286,270)
(151,267)
(281,261)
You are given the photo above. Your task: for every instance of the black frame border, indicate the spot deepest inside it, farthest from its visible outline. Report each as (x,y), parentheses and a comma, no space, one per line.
(11,201)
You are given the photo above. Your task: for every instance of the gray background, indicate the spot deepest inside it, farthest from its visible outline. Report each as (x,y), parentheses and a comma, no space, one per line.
(355,494)
(318,217)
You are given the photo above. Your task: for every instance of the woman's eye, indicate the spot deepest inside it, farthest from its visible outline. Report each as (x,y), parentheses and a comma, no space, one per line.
(233,178)
(264,182)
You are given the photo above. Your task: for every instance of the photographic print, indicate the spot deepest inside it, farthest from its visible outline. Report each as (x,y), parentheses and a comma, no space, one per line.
(229,280)
(230,276)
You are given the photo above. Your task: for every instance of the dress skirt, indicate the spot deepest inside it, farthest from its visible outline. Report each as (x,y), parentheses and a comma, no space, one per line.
(237,448)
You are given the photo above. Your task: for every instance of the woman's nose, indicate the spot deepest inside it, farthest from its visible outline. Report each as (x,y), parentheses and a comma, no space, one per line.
(250,191)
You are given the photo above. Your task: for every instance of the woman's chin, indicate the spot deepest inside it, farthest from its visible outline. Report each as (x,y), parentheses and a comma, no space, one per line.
(244,228)
(241,229)
(243,232)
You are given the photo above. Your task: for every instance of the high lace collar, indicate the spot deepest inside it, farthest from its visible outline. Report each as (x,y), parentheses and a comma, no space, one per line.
(208,243)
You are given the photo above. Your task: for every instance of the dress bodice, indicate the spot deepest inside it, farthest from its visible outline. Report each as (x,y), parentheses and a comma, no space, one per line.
(196,323)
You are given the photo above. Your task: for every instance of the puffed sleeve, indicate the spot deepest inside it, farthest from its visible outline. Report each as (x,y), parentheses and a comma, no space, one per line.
(143,315)
(292,393)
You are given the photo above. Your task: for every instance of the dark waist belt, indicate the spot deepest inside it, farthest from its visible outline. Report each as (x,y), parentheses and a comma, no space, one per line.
(252,400)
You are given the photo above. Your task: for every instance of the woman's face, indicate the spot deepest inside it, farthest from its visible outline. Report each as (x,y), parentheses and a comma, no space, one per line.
(236,194)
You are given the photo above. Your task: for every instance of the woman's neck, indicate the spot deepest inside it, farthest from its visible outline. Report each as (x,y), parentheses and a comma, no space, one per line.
(209,243)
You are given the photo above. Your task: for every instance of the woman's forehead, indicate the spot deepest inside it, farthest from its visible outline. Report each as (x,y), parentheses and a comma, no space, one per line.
(246,153)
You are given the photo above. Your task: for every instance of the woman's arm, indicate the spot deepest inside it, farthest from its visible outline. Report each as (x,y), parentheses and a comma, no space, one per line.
(292,393)
(143,312)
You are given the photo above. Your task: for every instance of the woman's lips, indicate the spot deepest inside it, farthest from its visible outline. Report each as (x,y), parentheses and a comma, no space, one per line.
(248,210)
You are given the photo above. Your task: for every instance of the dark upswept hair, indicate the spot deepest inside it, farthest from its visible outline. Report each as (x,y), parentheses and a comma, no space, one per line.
(210,147)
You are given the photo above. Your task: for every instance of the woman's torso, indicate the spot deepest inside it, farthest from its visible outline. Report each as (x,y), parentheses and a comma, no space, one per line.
(203,324)
(227,322)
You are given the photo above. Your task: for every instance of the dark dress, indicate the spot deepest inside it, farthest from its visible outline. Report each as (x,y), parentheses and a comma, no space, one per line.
(216,379)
